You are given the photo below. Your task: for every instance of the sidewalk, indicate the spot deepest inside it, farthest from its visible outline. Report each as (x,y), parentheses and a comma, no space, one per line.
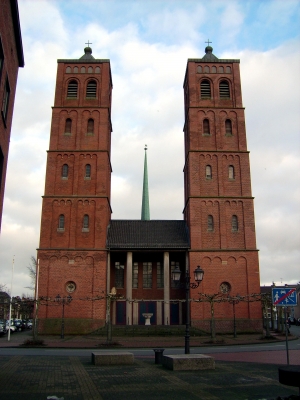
(92,341)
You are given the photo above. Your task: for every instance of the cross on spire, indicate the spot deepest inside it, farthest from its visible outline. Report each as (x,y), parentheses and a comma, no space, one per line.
(208,42)
(88,43)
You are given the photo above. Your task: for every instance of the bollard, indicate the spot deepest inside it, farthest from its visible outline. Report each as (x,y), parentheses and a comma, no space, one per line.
(158,355)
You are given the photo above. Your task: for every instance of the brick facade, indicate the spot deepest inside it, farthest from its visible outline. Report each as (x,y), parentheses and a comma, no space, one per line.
(72,253)
(88,260)
(11,58)
(215,137)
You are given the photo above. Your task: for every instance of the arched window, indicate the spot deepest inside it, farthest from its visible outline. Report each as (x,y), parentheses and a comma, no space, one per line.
(61,222)
(221,70)
(214,70)
(205,89)
(206,130)
(228,127)
(97,70)
(65,171)
(90,126)
(234,223)
(72,89)
(208,172)
(210,223)
(228,70)
(199,69)
(88,171)
(68,70)
(75,70)
(91,89)
(231,172)
(68,125)
(90,70)
(206,69)
(82,70)
(86,222)
(224,90)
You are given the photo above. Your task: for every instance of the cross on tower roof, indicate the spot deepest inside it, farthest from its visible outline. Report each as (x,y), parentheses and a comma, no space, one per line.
(88,43)
(208,42)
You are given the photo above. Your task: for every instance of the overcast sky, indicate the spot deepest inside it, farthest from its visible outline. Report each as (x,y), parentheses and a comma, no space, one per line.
(148,44)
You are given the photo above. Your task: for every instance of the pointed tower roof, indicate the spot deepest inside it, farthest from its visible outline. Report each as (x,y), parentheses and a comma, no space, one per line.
(145,201)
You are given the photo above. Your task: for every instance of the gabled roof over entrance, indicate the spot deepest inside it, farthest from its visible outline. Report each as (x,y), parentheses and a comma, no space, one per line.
(154,234)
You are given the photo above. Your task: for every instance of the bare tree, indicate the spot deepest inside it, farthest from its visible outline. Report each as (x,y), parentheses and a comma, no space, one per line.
(32,272)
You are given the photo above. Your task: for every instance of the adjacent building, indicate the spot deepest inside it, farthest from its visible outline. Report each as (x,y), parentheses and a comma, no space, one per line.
(11,58)
(85,254)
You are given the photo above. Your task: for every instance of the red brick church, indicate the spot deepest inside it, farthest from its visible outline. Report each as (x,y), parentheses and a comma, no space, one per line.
(84,253)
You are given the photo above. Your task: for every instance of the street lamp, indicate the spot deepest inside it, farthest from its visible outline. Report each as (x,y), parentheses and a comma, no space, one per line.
(234,300)
(198,276)
(63,301)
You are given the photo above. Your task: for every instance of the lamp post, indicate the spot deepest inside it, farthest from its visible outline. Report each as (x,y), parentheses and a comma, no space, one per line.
(234,300)
(63,301)
(198,275)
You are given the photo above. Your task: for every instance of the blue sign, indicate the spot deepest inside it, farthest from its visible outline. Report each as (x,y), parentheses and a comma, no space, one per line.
(283,296)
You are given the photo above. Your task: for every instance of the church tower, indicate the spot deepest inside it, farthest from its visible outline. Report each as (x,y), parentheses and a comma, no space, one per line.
(219,207)
(76,205)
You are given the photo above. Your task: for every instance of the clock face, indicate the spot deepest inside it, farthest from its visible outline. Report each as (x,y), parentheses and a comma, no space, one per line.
(70,287)
(225,287)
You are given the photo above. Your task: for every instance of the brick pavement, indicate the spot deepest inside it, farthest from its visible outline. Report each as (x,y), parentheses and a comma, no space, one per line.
(75,378)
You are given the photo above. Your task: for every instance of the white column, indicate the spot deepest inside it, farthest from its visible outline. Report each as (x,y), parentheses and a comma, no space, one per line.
(129,288)
(166,288)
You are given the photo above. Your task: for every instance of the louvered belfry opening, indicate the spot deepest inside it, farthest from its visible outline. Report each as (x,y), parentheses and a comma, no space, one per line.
(224,90)
(91,89)
(205,89)
(72,89)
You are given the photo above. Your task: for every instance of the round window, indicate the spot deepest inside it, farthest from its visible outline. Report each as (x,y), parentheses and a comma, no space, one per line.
(225,287)
(70,287)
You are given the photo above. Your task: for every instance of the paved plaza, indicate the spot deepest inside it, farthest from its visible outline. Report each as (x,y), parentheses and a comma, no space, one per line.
(238,376)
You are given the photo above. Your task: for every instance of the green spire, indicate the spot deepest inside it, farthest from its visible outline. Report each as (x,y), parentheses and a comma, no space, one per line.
(145,201)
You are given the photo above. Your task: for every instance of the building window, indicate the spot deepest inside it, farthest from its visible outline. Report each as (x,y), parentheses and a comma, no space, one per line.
(199,69)
(65,171)
(225,287)
(5,102)
(206,69)
(72,89)
(86,223)
(97,70)
(228,70)
(82,70)
(224,90)
(214,70)
(135,275)
(234,223)
(90,70)
(147,275)
(75,70)
(68,126)
(205,89)
(221,70)
(228,127)
(61,223)
(87,171)
(208,172)
(231,172)
(68,70)
(174,264)
(119,275)
(91,89)
(159,275)
(1,58)
(206,130)
(210,223)
(90,127)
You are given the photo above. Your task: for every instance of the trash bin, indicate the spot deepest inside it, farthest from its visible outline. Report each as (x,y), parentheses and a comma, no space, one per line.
(158,355)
